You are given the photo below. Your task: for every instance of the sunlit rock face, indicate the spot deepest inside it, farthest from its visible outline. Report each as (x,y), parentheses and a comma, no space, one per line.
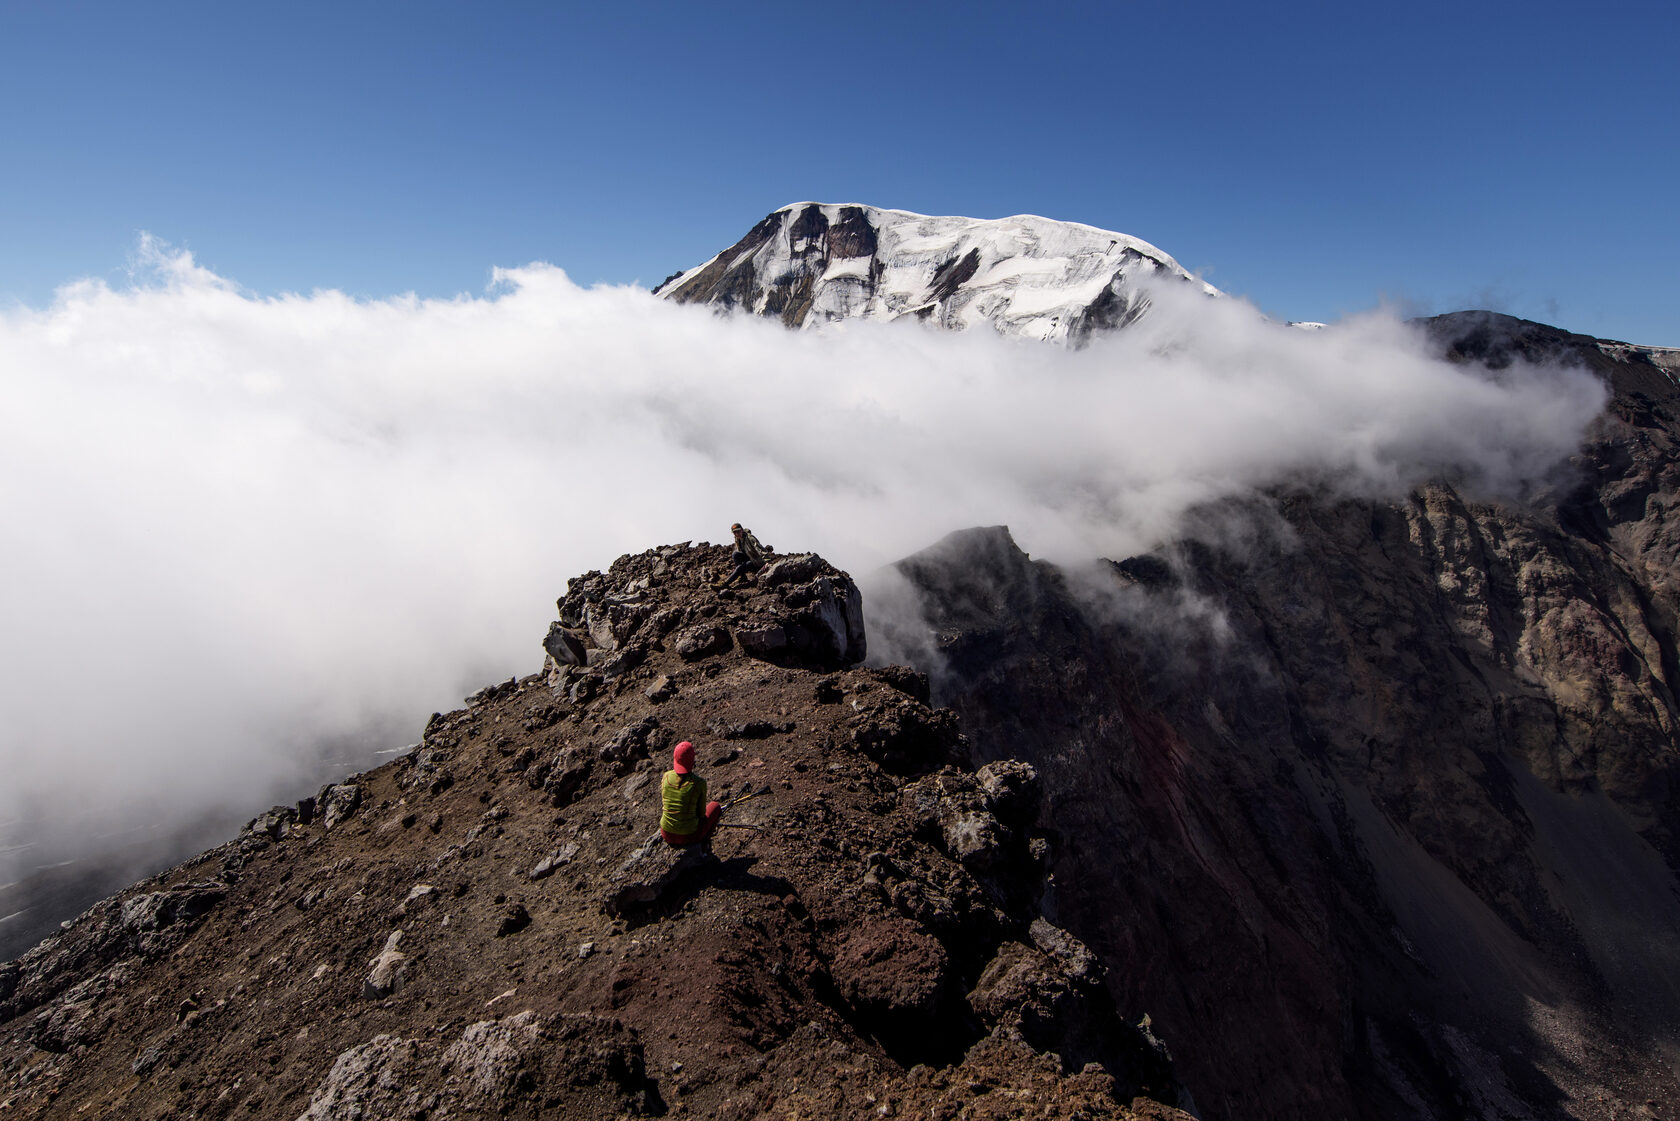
(810,264)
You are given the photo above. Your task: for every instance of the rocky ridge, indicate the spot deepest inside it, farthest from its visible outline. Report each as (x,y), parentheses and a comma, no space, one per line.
(490,926)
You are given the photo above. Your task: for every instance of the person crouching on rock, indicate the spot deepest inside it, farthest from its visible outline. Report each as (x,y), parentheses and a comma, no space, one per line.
(682,793)
(749,555)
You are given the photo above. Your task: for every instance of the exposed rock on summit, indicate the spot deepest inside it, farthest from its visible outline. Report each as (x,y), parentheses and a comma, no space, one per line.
(491,927)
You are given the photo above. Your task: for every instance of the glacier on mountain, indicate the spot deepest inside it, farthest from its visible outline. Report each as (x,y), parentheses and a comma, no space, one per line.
(810,263)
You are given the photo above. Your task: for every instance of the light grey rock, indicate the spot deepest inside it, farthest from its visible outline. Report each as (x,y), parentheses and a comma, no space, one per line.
(154,923)
(419,896)
(974,837)
(389,967)
(793,570)
(274,823)
(339,803)
(490,1059)
(615,663)
(1075,957)
(554,861)
(429,759)
(837,612)
(1011,788)
(598,623)
(367,1083)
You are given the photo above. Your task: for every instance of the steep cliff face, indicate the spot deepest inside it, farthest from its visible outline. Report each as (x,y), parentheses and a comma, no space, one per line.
(1372,805)
(1376,802)
(811,263)
(492,927)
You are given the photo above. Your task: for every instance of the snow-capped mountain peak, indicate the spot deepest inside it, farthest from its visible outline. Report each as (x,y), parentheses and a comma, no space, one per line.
(814,263)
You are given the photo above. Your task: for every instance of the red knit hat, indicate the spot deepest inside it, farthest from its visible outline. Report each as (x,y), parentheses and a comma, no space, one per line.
(682,759)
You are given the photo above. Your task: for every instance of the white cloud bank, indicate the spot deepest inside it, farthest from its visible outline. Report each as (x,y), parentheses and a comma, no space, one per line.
(235,526)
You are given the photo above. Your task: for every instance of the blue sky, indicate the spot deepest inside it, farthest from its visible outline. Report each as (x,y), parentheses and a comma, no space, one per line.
(1317,158)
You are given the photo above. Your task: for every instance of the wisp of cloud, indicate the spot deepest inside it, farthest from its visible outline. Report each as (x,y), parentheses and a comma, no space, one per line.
(243,531)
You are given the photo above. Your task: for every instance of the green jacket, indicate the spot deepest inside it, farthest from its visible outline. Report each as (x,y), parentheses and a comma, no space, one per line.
(683,803)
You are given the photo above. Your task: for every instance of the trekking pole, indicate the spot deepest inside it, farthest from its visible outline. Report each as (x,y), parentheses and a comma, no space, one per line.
(742,798)
(737,825)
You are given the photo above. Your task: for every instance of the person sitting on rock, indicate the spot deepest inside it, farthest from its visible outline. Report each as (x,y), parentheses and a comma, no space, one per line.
(749,555)
(682,793)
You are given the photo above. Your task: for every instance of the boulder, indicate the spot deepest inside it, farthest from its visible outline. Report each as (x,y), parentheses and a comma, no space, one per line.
(566,648)
(702,641)
(492,1058)
(582,686)
(1051,994)
(389,967)
(616,621)
(513,919)
(975,837)
(833,623)
(617,661)
(339,803)
(375,1079)
(599,626)
(1075,957)
(1021,981)
(821,624)
(894,977)
(430,759)
(156,922)
(649,872)
(274,823)
(764,641)
(911,683)
(793,570)
(632,742)
(903,735)
(1011,789)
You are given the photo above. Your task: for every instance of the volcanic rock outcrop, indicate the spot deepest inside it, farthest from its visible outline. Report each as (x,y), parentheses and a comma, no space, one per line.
(1376,812)
(490,926)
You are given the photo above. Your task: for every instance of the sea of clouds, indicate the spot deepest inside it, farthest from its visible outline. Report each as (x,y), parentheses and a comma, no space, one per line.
(250,538)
